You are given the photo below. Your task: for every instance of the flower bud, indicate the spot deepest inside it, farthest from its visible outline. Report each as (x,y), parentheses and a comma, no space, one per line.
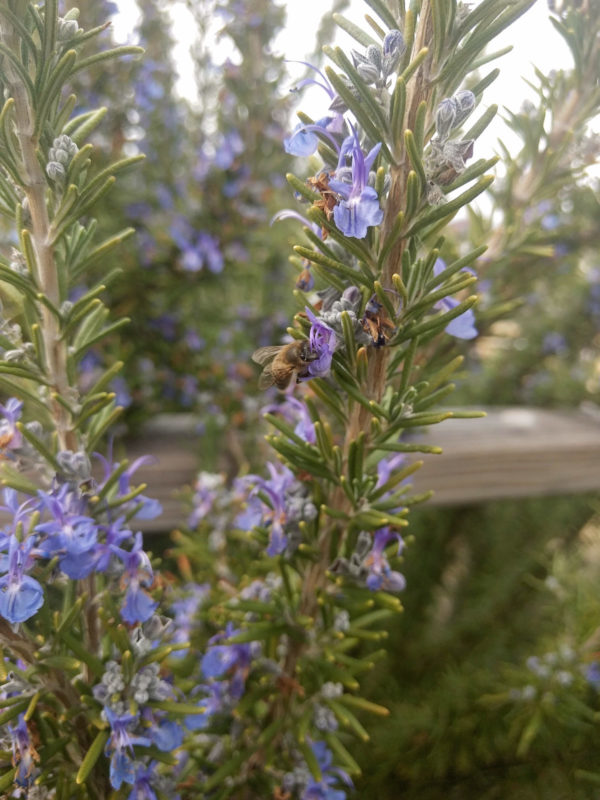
(465,103)
(352,295)
(55,170)
(75,465)
(445,115)
(393,50)
(67,28)
(368,72)
(375,56)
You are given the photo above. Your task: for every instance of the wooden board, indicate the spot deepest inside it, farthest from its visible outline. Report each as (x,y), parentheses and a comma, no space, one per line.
(512,452)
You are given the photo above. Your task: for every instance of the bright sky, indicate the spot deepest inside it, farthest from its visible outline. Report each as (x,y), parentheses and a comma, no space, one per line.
(533,38)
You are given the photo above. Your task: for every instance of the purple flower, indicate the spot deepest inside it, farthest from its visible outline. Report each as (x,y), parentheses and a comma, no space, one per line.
(323,342)
(144,507)
(381,576)
(121,737)
(289,213)
(295,411)
(359,208)
(288,503)
(387,466)
(120,746)
(10,436)
(21,596)
(463,326)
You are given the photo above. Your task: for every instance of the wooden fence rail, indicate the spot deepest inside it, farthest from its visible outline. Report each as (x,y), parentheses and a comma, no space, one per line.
(512,452)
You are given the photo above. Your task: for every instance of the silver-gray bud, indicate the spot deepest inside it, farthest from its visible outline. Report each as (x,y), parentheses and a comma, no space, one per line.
(394,47)
(368,72)
(375,56)
(55,170)
(445,114)
(465,103)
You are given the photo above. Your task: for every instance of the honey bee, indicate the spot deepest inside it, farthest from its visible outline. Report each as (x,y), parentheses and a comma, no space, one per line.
(282,363)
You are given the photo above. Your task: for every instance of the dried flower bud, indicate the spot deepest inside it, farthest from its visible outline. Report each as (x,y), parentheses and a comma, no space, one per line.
(434,195)
(455,153)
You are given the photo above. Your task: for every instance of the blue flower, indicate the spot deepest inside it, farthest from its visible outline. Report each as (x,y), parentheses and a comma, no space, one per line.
(211,704)
(138,605)
(359,208)
(167,735)
(330,775)
(592,674)
(120,746)
(122,770)
(304,140)
(463,326)
(142,782)
(220,659)
(387,466)
(21,596)
(70,531)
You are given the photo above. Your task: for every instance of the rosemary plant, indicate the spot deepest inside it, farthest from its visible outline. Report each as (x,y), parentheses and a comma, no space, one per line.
(253,688)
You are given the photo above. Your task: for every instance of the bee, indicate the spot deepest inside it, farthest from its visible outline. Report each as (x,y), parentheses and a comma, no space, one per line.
(377,323)
(283,363)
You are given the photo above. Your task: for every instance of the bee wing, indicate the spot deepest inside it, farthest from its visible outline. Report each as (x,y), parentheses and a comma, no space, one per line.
(267,378)
(265,354)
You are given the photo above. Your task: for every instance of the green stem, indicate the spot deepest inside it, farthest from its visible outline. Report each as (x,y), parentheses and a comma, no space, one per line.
(35,191)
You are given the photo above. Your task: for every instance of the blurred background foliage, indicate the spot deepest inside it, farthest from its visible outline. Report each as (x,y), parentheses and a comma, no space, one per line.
(206,280)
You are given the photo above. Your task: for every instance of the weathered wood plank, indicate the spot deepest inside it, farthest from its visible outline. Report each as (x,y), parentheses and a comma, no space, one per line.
(513,452)
(516,452)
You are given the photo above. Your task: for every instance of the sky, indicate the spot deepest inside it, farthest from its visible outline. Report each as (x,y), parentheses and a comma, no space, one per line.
(533,39)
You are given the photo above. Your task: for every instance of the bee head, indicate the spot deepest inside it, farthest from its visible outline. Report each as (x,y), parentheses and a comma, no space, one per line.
(307,353)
